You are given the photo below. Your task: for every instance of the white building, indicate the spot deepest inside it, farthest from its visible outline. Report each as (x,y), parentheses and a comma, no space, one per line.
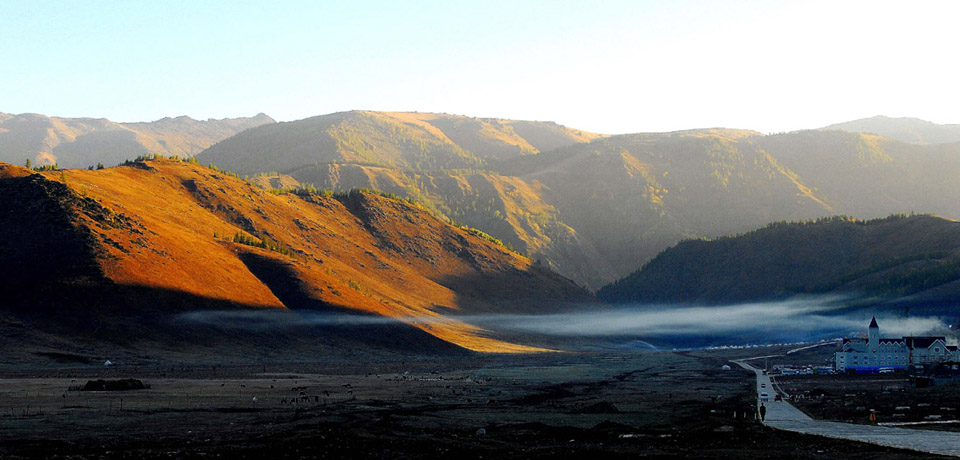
(871,353)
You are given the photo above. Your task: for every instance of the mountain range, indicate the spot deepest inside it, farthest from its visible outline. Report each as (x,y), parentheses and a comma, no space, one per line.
(83,142)
(595,207)
(414,222)
(591,207)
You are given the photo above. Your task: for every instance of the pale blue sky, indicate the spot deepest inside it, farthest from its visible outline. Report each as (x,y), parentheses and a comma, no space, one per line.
(607,66)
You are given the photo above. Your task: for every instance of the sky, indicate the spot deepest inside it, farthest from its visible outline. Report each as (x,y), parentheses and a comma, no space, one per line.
(602,66)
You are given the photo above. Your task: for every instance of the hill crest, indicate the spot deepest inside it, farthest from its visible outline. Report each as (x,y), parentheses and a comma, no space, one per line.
(887,258)
(903,129)
(410,141)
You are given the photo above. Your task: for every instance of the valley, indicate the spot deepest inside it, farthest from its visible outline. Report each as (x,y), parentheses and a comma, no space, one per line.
(427,286)
(478,230)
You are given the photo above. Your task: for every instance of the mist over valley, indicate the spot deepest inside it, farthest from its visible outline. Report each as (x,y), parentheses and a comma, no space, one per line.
(801,320)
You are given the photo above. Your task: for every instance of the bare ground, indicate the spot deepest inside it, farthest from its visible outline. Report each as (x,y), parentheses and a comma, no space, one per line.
(653,404)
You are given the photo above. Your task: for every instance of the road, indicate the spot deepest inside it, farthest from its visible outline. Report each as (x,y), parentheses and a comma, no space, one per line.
(784,416)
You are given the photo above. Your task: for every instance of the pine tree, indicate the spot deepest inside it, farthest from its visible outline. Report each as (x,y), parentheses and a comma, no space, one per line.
(28,163)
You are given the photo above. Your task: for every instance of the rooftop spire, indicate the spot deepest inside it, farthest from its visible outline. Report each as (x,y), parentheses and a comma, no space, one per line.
(873,323)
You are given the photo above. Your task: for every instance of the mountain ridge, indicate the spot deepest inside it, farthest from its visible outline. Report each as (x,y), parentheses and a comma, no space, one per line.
(903,129)
(885,259)
(82,142)
(406,140)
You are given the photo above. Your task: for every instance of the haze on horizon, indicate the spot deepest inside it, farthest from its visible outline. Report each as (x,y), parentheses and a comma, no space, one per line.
(610,67)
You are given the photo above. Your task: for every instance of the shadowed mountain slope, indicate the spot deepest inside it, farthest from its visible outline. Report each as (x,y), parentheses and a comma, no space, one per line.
(888,258)
(82,142)
(162,237)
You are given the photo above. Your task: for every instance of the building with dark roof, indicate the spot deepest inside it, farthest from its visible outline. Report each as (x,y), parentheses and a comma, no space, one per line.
(872,353)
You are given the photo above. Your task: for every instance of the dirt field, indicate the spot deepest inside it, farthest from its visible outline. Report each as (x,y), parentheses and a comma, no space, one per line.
(658,404)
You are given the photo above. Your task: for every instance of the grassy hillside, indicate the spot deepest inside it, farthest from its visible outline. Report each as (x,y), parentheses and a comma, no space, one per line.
(507,207)
(82,142)
(168,236)
(909,130)
(885,258)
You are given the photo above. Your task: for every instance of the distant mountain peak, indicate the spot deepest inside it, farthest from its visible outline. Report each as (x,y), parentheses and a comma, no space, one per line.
(82,142)
(903,129)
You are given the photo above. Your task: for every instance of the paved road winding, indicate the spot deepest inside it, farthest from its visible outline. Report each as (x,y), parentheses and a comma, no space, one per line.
(782,415)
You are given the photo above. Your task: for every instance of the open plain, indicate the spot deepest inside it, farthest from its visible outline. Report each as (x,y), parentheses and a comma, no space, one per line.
(654,404)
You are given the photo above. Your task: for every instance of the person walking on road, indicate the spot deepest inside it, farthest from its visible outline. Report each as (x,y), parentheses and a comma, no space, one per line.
(763,412)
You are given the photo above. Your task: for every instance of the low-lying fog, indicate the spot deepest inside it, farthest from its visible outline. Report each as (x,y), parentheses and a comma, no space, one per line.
(662,325)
